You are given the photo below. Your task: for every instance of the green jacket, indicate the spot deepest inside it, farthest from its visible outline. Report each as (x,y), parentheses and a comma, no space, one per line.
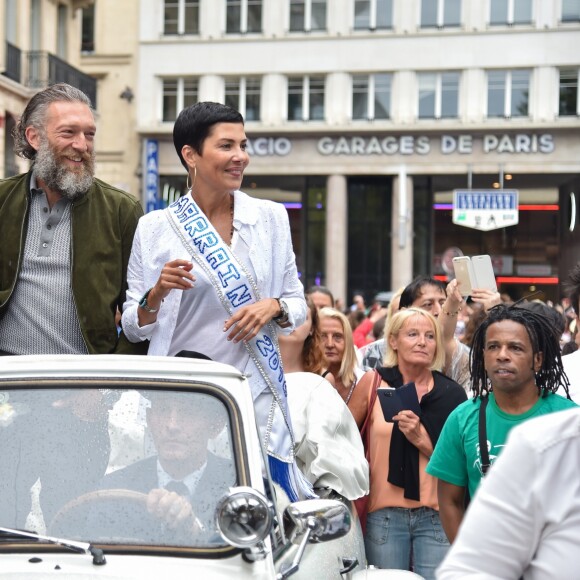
(103,224)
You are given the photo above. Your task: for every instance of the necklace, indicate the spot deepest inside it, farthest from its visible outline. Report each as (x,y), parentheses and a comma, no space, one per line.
(232,219)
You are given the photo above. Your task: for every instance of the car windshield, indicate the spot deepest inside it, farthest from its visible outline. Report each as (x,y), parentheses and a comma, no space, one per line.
(115,466)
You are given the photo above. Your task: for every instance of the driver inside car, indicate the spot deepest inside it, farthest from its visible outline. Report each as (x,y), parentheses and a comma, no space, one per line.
(183,481)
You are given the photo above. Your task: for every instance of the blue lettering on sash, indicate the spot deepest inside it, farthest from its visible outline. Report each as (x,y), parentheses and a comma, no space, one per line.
(239,295)
(268,351)
(217,258)
(265,346)
(230,273)
(179,204)
(187,212)
(205,241)
(198,224)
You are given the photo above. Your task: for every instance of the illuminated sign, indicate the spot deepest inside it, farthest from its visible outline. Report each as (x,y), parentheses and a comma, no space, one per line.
(485,209)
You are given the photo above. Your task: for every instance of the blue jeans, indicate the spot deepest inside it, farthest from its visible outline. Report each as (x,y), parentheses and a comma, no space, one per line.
(406,539)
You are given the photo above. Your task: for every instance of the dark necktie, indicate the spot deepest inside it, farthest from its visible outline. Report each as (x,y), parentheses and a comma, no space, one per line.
(178,487)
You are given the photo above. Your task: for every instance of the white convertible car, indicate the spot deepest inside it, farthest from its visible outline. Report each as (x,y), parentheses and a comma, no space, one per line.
(92,449)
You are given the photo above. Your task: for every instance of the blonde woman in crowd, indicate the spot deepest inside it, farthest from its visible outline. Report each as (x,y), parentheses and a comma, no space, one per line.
(343,370)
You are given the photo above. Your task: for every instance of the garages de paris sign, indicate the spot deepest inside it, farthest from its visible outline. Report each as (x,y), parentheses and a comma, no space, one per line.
(485,209)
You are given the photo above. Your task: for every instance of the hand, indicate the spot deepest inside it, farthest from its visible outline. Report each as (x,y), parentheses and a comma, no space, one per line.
(248,320)
(415,432)
(172,509)
(410,426)
(175,275)
(454,297)
(488,298)
(378,313)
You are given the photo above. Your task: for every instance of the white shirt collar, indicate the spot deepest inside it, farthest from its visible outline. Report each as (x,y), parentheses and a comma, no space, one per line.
(190,480)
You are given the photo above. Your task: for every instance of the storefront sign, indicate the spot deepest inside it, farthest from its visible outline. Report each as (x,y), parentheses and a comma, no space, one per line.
(520,143)
(151,175)
(485,209)
(263,146)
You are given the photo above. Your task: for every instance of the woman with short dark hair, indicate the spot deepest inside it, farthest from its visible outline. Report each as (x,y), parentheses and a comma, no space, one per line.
(215,273)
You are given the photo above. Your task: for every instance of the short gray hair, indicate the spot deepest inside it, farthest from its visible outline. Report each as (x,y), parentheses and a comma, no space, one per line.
(34,114)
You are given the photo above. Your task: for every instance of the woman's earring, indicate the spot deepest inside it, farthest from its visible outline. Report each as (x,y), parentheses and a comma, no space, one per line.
(194,178)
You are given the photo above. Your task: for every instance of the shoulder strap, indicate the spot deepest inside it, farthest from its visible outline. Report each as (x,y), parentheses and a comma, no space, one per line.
(373,398)
(483,451)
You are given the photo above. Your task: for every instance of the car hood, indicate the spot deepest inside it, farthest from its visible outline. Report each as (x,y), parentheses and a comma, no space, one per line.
(37,566)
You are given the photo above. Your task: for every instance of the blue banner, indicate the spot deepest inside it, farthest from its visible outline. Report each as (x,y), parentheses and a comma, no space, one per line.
(152,201)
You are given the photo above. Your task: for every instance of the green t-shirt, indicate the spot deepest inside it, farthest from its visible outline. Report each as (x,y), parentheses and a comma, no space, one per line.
(456,458)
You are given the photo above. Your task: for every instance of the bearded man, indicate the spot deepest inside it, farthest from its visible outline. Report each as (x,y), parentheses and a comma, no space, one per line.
(66,236)
(66,241)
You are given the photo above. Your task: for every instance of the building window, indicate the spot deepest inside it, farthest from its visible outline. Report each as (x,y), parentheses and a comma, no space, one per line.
(569,96)
(508,93)
(373,14)
(510,12)
(181,17)
(88,29)
(243,16)
(307,15)
(438,95)
(243,94)
(177,95)
(570,10)
(306,98)
(440,13)
(371,96)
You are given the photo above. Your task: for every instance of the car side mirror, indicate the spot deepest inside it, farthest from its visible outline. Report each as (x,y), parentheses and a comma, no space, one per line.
(323,519)
(311,522)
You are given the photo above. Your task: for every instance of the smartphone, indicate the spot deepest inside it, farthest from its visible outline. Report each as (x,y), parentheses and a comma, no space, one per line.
(464,274)
(484,274)
(393,401)
(476,272)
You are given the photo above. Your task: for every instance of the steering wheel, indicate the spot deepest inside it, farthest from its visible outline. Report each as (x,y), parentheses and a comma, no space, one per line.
(79,508)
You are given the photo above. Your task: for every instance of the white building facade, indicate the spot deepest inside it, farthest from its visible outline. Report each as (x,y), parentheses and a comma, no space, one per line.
(364,115)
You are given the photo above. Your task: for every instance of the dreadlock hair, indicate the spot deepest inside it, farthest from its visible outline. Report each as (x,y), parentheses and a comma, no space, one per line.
(543,339)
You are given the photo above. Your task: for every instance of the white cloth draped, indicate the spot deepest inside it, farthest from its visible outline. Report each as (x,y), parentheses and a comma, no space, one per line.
(328,447)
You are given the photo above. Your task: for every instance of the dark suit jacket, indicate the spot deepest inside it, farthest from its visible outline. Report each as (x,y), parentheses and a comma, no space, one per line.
(218,477)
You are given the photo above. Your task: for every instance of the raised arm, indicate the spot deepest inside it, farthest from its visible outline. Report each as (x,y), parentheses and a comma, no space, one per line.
(448,321)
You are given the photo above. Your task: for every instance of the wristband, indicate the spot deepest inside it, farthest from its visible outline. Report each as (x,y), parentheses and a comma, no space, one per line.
(144,305)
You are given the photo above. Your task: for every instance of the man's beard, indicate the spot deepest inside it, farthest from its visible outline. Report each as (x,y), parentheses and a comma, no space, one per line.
(57,176)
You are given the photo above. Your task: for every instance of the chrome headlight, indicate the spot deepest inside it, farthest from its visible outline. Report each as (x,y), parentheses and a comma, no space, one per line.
(244,517)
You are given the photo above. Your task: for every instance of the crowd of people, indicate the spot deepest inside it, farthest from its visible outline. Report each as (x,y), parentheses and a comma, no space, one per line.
(215,274)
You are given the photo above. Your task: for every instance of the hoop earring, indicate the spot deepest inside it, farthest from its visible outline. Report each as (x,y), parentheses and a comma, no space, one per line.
(194,178)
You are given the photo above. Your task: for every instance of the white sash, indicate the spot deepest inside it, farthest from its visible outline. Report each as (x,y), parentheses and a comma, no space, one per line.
(235,288)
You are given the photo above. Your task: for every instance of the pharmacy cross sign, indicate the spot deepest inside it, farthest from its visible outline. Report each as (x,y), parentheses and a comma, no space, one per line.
(485,209)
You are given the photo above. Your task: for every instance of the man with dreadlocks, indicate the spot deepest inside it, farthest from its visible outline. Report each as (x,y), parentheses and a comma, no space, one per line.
(516,369)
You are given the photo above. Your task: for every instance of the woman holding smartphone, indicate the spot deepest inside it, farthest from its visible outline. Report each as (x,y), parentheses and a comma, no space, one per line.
(403,529)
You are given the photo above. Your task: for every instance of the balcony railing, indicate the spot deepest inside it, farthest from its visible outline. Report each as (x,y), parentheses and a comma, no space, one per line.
(45,69)
(13,68)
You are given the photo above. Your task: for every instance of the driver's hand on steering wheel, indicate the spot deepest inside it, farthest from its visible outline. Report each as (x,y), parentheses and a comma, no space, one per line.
(172,509)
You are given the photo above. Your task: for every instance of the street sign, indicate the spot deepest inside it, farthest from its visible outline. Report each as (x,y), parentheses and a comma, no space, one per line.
(485,209)
(151,175)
